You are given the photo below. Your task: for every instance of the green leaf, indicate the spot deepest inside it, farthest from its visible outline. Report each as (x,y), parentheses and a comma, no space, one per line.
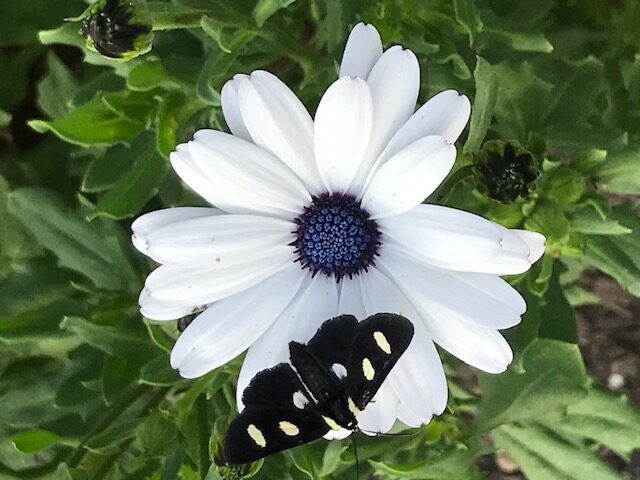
(551,377)
(618,256)
(266,8)
(483,104)
(468,16)
(175,109)
(544,454)
(107,127)
(523,41)
(455,462)
(22,20)
(126,343)
(79,246)
(604,418)
(158,372)
(5,118)
(34,441)
(157,435)
(217,65)
(588,221)
(548,219)
(620,173)
(107,169)
(56,90)
(150,75)
(131,192)
(565,186)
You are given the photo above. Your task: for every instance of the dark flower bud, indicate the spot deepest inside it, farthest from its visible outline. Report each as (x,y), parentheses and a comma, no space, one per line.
(118,28)
(505,172)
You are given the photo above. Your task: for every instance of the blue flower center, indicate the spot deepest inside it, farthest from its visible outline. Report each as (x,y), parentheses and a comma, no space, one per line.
(335,236)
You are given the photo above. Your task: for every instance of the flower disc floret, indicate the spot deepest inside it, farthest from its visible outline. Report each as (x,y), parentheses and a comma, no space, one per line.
(335,236)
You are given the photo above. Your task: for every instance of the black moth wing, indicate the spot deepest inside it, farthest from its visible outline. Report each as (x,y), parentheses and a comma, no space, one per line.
(333,341)
(379,342)
(261,431)
(275,387)
(330,345)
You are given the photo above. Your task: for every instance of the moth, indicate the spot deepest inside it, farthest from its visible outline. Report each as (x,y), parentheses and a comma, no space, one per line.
(328,384)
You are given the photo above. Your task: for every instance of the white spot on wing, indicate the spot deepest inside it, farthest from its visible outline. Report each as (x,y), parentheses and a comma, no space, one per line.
(299,400)
(256,435)
(382,342)
(368,369)
(289,428)
(339,370)
(333,425)
(353,408)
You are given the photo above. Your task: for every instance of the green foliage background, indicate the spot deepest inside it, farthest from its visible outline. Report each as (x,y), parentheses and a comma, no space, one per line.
(85,384)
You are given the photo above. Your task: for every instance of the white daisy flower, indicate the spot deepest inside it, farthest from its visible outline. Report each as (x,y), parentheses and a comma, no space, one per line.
(316,218)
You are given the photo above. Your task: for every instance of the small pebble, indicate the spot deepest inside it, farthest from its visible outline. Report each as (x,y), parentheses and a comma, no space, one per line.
(615,381)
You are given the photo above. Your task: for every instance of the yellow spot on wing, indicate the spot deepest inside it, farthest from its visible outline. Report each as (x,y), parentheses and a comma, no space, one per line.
(382,342)
(289,428)
(367,369)
(353,408)
(256,435)
(333,425)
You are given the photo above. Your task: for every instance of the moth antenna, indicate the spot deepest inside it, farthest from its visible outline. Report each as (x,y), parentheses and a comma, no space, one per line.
(355,450)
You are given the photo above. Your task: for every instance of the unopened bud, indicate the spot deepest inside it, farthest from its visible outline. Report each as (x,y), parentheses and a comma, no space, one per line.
(505,172)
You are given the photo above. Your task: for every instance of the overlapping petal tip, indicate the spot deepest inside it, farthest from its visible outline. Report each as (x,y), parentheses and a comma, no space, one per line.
(363,49)
(278,122)
(238,176)
(394,83)
(149,223)
(409,177)
(461,241)
(342,131)
(162,311)
(230,326)
(231,107)
(446,114)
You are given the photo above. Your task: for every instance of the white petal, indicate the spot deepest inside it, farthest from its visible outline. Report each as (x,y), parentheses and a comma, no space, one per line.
(456,240)
(455,324)
(394,83)
(535,241)
(246,175)
(231,107)
(230,326)
(418,378)
(337,434)
(442,235)
(380,414)
(199,182)
(342,131)
(421,365)
(446,114)
(279,122)
(220,241)
(316,302)
(148,223)
(409,177)
(363,49)
(351,299)
(194,286)
(472,298)
(480,347)
(160,311)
